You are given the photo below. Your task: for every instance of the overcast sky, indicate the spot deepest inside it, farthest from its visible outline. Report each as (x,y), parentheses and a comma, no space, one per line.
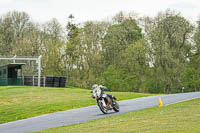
(83,10)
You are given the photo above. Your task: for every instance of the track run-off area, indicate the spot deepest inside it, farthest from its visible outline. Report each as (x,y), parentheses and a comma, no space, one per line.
(74,116)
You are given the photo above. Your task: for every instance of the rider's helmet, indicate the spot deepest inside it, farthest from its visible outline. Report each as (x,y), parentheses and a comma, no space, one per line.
(94,86)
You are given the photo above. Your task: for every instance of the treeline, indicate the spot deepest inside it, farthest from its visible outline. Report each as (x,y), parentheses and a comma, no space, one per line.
(127,53)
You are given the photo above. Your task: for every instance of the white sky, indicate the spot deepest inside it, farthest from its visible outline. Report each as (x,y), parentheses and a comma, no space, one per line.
(83,10)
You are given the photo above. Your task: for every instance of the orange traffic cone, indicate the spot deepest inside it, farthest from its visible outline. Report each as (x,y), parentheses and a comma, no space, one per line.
(160,103)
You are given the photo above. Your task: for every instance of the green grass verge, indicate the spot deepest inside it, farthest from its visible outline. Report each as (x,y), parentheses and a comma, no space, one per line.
(177,118)
(23,102)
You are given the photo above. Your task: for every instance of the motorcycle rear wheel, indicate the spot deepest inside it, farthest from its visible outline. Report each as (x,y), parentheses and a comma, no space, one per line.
(115,106)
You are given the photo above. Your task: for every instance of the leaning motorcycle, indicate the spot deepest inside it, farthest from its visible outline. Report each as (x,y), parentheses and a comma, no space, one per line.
(105,102)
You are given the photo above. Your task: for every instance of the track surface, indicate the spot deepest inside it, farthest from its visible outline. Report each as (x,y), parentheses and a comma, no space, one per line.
(89,113)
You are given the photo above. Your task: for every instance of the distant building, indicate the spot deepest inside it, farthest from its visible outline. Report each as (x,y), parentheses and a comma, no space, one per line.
(11,74)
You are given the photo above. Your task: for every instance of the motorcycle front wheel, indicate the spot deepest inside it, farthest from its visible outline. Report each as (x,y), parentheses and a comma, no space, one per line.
(101,107)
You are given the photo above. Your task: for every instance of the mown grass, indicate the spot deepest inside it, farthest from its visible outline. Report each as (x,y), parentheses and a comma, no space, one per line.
(23,102)
(178,118)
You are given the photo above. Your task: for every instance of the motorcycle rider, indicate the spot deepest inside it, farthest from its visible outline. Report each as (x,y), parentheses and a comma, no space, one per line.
(103,88)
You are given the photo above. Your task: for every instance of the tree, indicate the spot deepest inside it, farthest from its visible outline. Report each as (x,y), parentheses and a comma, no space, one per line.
(84,52)
(169,35)
(136,65)
(191,79)
(92,36)
(16,30)
(118,37)
(52,45)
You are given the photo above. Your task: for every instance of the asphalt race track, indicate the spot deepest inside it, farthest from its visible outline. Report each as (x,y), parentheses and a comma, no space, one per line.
(89,113)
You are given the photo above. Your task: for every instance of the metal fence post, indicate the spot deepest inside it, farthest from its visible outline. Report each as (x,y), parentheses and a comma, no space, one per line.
(33,81)
(39,69)
(44,81)
(23,80)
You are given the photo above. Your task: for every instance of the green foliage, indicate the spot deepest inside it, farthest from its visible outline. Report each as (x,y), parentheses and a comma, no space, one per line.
(190,80)
(18,35)
(113,79)
(169,34)
(157,55)
(118,38)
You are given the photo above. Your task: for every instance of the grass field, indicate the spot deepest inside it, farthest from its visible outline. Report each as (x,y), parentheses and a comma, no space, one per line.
(178,118)
(23,102)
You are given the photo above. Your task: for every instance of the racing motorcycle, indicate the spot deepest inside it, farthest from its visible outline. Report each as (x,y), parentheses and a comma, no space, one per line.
(105,101)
